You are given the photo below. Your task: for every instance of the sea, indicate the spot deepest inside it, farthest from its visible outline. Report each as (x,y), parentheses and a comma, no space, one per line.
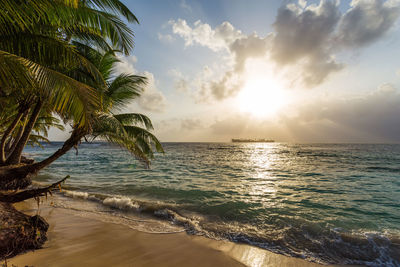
(326,203)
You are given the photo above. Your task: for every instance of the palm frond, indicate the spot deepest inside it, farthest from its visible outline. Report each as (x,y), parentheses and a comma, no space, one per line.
(128,144)
(36,139)
(22,13)
(110,26)
(136,119)
(124,88)
(66,94)
(44,49)
(142,134)
(115,6)
(45,122)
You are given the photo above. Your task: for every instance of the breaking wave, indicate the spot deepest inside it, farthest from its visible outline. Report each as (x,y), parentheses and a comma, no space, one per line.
(304,240)
(122,203)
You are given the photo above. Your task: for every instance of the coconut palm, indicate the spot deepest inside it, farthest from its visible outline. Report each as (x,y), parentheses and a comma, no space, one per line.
(128,130)
(35,53)
(39,67)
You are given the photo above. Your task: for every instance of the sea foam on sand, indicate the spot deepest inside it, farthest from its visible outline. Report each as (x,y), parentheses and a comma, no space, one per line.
(76,194)
(122,203)
(83,241)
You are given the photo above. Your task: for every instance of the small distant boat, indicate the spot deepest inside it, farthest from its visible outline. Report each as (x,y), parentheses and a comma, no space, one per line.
(242,140)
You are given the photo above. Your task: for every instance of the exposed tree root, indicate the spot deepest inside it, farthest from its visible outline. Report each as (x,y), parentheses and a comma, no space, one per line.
(30,193)
(18,231)
(14,177)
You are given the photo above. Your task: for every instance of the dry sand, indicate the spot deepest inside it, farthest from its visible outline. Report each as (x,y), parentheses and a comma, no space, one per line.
(78,241)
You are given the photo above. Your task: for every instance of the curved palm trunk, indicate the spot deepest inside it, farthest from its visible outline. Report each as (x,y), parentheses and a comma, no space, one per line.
(14,143)
(9,144)
(15,156)
(19,177)
(7,133)
(72,141)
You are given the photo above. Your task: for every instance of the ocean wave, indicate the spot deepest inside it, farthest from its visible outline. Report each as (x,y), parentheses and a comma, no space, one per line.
(122,203)
(304,240)
(76,194)
(384,169)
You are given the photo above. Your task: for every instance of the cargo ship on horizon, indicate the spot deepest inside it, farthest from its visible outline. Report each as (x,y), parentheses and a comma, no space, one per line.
(244,140)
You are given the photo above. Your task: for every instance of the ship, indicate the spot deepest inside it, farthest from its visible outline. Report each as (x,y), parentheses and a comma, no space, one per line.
(243,140)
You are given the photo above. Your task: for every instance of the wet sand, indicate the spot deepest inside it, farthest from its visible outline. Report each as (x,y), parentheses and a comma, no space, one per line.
(74,240)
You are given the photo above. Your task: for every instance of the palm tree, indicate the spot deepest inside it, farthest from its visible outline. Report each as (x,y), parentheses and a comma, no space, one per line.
(38,61)
(128,130)
(32,55)
(35,50)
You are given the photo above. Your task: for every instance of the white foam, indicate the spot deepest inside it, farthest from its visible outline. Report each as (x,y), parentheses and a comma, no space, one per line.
(122,203)
(76,194)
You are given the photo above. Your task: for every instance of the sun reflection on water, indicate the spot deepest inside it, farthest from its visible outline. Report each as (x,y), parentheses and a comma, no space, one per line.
(260,159)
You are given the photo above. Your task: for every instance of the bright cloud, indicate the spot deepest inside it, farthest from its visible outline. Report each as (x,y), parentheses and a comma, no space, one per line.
(166,38)
(367,21)
(372,117)
(201,33)
(304,44)
(191,124)
(180,82)
(152,99)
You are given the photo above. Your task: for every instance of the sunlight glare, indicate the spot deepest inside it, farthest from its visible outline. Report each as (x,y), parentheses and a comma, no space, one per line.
(261,97)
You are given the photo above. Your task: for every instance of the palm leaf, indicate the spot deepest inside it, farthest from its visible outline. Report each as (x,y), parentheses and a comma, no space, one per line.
(116,6)
(124,88)
(111,26)
(66,94)
(135,118)
(142,134)
(35,140)
(43,49)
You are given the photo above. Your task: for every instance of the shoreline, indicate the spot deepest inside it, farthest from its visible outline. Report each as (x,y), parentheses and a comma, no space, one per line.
(75,240)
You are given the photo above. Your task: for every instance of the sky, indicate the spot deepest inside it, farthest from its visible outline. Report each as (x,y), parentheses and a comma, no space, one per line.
(293,71)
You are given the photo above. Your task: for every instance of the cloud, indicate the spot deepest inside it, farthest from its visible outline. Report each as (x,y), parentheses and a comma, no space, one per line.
(206,88)
(185,6)
(311,36)
(166,38)
(246,47)
(210,86)
(366,22)
(224,38)
(201,33)
(372,117)
(227,86)
(302,3)
(191,124)
(127,65)
(303,36)
(368,117)
(304,43)
(180,83)
(245,126)
(152,99)
(303,32)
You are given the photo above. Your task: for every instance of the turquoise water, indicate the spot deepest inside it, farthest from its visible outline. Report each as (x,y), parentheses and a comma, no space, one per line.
(329,203)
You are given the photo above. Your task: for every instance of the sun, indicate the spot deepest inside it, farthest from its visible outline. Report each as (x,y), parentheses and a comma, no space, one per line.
(262,97)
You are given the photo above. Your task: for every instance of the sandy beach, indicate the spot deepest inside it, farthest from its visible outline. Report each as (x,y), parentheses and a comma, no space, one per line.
(74,240)
(199,133)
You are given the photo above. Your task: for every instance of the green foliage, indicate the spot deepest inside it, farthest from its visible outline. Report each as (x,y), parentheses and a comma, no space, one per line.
(128,130)
(62,53)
